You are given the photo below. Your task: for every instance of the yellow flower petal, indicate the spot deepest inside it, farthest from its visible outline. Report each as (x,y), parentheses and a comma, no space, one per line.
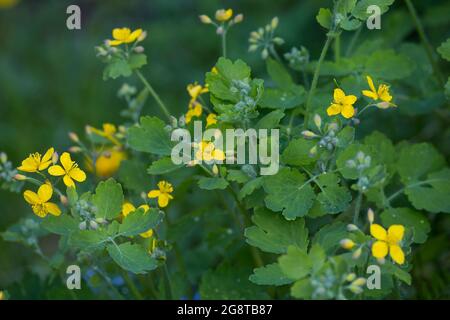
(147,234)
(40,210)
(48,155)
(145,207)
(379,249)
(68,181)
(31,197)
(397,254)
(121,33)
(370,94)
(29,165)
(53,209)
(370,82)
(348,111)
(211,119)
(77,174)
(163,200)
(154,193)
(134,35)
(378,232)
(127,208)
(334,109)
(338,95)
(45,192)
(66,161)
(395,233)
(114,42)
(351,99)
(56,171)
(218,155)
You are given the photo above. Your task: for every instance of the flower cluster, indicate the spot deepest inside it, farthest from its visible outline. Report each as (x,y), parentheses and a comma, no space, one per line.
(264,39)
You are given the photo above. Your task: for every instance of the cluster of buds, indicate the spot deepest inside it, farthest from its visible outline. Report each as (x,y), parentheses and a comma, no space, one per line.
(223,20)
(265,40)
(360,163)
(9,178)
(326,135)
(324,285)
(87,214)
(298,59)
(355,284)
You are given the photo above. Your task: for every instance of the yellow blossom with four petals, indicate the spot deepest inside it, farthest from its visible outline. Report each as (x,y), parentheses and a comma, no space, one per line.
(124,35)
(342,104)
(388,241)
(207,151)
(69,170)
(40,201)
(223,15)
(381,94)
(35,162)
(163,194)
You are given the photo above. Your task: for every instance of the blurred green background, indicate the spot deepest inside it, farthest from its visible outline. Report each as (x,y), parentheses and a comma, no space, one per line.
(51,82)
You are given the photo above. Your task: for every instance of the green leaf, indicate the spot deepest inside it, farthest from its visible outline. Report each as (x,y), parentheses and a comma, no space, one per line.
(212,183)
(444,49)
(150,136)
(296,264)
(360,10)
(250,187)
(333,198)
(117,68)
(108,199)
(163,166)
(324,18)
(411,219)
(345,6)
(381,149)
(347,154)
(302,289)
(386,64)
(89,239)
(72,196)
(350,24)
(270,120)
(132,257)
(275,98)
(417,160)
(229,283)
(398,272)
(137,60)
(297,152)
(140,221)
(269,275)
(279,74)
(345,137)
(288,192)
(274,234)
(62,225)
(317,257)
(329,236)
(237,175)
(130,174)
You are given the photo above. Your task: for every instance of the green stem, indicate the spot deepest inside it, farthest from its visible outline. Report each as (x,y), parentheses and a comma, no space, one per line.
(155,95)
(315,79)
(426,43)
(357,208)
(134,290)
(224,42)
(353,42)
(337,48)
(167,284)
(275,54)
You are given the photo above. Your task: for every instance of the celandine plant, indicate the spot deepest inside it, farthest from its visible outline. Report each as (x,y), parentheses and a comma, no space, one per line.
(339,218)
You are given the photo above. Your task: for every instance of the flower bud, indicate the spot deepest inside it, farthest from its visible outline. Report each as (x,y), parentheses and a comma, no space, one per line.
(139,49)
(274,23)
(2,295)
(252,47)
(3,157)
(264,53)
(82,225)
(383,105)
(215,169)
(370,215)
(93,225)
(356,289)
(347,244)
(352,227)
(357,253)
(142,36)
(350,277)
(238,18)
(205,19)
(219,31)
(20,177)
(308,134)
(317,121)
(55,157)
(100,220)
(277,40)
(313,151)
(88,130)
(63,200)
(75,149)
(74,137)
(359,282)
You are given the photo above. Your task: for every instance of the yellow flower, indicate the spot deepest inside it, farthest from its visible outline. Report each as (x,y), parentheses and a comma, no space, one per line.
(39,201)
(381,94)
(211,119)
(69,170)
(207,151)
(195,110)
(163,194)
(107,163)
(223,15)
(388,241)
(214,70)
(342,104)
(124,35)
(195,90)
(128,208)
(35,162)
(108,132)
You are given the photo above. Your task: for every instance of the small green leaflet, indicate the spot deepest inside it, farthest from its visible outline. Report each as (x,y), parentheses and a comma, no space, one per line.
(150,136)
(62,225)
(163,166)
(409,218)
(268,275)
(140,221)
(132,257)
(212,183)
(108,199)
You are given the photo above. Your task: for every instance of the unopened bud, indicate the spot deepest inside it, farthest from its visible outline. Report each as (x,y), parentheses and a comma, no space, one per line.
(142,36)
(370,215)
(347,244)
(359,282)
(381,260)
(277,40)
(88,130)
(82,225)
(333,126)
(55,157)
(350,277)
(274,23)
(63,200)
(308,134)
(357,253)
(139,49)
(20,177)
(75,149)
(93,225)
(383,105)
(3,157)
(74,137)
(215,169)
(252,47)
(356,289)
(238,18)
(317,121)
(313,151)
(264,53)
(352,227)
(219,31)
(205,19)
(100,220)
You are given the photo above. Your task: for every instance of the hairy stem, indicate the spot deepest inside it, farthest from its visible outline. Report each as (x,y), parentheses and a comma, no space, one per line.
(155,95)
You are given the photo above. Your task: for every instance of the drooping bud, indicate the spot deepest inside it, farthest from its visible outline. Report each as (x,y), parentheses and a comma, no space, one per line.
(317,121)
(205,19)
(139,49)
(215,169)
(74,137)
(352,227)
(279,41)
(55,157)
(93,225)
(238,18)
(309,134)
(20,177)
(347,244)
(75,149)
(264,54)
(357,253)
(219,31)
(63,200)
(370,215)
